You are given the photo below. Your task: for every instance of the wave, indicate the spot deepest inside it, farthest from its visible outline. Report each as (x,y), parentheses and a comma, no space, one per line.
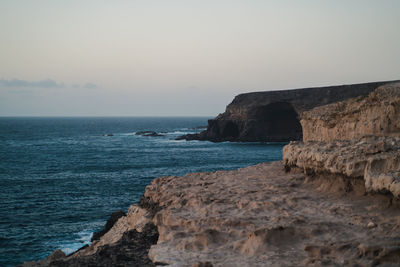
(83,238)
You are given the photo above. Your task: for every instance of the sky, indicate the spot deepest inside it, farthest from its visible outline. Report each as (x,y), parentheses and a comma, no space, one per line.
(185,58)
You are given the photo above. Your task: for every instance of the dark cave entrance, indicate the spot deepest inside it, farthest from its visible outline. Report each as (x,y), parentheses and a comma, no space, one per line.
(230,130)
(281,122)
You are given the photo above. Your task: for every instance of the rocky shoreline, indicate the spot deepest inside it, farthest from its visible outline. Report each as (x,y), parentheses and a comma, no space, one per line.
(333,200)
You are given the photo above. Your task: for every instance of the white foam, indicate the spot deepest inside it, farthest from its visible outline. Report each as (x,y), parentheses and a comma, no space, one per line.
(181,132)
(83,238)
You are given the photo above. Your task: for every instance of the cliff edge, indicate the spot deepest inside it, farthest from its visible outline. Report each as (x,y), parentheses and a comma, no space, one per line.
(274,116)
(357,138)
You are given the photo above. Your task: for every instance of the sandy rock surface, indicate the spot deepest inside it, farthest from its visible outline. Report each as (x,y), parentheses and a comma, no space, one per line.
(377,114)
(263,216)
(374,159)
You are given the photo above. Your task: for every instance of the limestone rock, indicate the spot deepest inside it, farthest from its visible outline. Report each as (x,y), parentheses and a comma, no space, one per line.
(374,159)
(109,224)
(377,114)
(264,216)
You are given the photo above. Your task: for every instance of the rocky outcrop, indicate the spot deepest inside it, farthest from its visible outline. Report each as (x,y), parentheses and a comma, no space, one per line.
(376,114)
(356,138)
(130,250)
(376,160)
(125,243)
(274,115)
(148,133)
(109,224)
(256,216)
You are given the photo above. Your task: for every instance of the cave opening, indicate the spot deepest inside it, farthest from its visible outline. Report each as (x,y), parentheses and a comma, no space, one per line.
(230,130)
(280,122)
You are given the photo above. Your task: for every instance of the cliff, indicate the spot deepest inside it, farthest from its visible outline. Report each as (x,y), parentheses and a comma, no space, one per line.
(377,114)
(356,138)
(274,115)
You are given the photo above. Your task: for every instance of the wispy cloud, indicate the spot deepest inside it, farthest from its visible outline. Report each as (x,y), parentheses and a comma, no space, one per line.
(49,83)
(31,84)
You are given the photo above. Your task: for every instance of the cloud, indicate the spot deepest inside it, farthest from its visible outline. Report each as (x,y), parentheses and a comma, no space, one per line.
(49,83)
(90,86)
(31,84)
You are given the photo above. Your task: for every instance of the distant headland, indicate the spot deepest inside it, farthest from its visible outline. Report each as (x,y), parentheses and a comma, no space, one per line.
(274,116)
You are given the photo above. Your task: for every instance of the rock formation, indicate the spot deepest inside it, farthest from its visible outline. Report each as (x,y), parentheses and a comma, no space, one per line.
(148,133)
(274,115)
(109,224)
(356,138)
(255,216)
(377,114)
(374,159)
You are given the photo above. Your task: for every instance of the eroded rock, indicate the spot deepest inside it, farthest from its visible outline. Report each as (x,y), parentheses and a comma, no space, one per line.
(264,216)
(377,114)
(374,159)
(109,224)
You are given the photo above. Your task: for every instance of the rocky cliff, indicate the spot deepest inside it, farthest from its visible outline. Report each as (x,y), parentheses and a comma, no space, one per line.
(356,138)
(377,114)
(274,115)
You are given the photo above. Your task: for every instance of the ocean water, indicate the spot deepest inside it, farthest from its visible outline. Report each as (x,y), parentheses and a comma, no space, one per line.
(61,178)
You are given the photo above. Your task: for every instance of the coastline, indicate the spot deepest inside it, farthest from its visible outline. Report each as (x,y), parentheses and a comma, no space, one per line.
(334,199)
(252,216)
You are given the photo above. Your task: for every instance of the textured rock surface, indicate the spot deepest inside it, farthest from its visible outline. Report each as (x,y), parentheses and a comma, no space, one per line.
(273,115)
(109,224)
(136,219)
(255,216)
(263,216)
(377,114)
(374,159)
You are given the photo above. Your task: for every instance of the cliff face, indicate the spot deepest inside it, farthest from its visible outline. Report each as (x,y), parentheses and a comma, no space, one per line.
(375,160)
(274,115)
(356,138)
(376,114)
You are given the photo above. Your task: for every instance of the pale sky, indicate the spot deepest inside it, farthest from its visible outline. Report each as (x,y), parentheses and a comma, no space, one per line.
(185,58)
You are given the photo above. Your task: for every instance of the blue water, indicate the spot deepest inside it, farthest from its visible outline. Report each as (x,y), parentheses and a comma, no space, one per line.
(60,178)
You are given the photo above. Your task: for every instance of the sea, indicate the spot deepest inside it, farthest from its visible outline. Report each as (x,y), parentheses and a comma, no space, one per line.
(62,177)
